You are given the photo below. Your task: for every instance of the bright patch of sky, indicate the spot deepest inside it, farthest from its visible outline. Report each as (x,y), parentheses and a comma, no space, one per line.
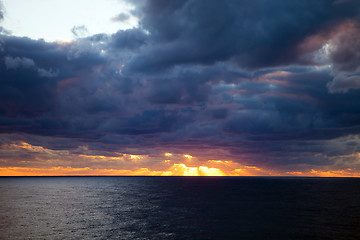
(58,20)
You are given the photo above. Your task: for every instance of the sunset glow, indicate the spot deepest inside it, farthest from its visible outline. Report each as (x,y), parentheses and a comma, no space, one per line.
(55,163)
(174,170)
(131,164)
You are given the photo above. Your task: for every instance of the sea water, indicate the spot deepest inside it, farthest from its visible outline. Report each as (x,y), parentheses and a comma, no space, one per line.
(179,208)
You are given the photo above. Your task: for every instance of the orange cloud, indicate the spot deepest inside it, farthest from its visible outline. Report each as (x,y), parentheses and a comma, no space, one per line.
(175,170)
(319,173)
(183,170)
(188,156)
(61,163)
(231,168)
(69,171)
(47,162)
(121,157)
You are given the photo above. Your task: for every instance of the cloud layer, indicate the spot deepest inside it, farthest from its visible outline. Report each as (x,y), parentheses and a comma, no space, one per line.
(269,84)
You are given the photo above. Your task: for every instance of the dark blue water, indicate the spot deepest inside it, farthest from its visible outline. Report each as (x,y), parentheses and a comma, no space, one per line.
(179,208)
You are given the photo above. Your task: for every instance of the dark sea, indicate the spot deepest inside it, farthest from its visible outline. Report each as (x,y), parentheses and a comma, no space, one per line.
(179,208)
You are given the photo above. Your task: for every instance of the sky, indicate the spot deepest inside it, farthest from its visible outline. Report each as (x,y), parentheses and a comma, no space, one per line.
(182,87)
(65,20)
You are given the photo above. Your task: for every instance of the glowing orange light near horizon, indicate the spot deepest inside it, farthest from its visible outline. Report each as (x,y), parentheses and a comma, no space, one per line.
(57,163)
(179,169)
(206,171)
(188,156)
(135,157)
(183,170)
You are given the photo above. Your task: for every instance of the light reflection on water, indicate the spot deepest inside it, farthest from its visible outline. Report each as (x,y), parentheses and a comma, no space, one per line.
(179,208)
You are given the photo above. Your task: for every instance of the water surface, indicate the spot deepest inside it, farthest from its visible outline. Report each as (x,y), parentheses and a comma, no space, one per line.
(179,208)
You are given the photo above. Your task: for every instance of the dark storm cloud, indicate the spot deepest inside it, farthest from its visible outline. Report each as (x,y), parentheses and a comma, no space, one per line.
(184,87)
(249,77)
(255,34)
(31,72)
(303,109)
(129,39)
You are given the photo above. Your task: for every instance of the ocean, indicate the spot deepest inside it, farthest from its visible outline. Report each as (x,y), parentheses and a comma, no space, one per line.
(179,208)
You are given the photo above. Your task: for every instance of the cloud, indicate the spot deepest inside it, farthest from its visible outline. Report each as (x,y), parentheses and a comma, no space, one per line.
(345,47)
(80,31)
(2,12)
(14,63)
(337,47)
(342,83)
(191,32)
(121,17)
(129,39)
(256,83)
